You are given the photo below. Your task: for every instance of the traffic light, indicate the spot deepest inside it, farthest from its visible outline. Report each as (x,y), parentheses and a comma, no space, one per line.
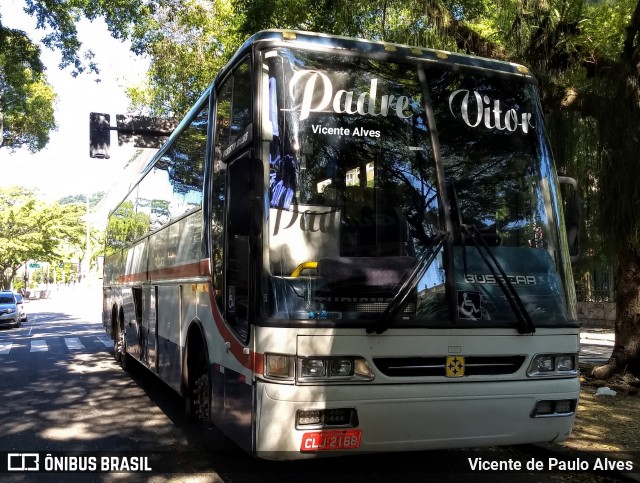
(99,135)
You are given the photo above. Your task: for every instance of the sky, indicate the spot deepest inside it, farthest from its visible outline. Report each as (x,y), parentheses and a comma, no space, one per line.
(64,166)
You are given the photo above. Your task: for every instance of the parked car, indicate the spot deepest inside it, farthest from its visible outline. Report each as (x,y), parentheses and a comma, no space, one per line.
(21,308)
(9,311)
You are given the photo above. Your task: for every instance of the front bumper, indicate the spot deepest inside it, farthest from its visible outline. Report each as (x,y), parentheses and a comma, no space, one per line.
(7,319)
(412,417)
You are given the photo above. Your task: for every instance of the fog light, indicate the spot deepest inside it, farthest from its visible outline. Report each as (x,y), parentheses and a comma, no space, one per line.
(564,407)
(542,408)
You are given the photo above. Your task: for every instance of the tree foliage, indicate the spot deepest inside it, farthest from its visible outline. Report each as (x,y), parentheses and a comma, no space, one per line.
(94,199)
(33,230)
(187,42)
(26,100)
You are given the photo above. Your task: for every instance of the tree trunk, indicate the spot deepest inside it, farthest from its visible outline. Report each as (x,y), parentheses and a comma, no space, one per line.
(619,190)
(626,352)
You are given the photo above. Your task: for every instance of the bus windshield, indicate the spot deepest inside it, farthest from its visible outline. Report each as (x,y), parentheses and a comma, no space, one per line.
(354,202)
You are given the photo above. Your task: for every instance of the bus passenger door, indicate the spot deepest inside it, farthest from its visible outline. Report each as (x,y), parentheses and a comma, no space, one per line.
(240,263)
(232,240)
(238,243)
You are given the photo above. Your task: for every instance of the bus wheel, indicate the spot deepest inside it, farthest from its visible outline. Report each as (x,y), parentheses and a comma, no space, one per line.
(120,348)
(124,357)
(201,398)
(198,395)
(198,403)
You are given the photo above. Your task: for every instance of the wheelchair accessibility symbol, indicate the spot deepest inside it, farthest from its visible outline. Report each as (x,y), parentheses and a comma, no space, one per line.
(469,305)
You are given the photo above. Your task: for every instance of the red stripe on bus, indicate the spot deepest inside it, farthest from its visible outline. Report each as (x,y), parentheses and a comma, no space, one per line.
(253,360)
(193,269)
(178,271)
(250,360)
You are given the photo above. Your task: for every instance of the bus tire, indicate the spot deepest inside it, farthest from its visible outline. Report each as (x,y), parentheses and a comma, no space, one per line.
(115,332)
(116,343)
(198,397)
(120,344)
(125,359)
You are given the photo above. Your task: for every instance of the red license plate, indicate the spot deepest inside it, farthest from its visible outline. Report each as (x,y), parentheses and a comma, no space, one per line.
(331,440)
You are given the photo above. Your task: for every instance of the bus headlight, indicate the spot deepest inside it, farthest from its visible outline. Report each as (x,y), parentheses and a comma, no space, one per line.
(317,368)
(285,367)
(550,365)
(312,367)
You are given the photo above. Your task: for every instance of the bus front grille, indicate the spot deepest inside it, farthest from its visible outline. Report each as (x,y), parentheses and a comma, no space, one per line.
(435,366)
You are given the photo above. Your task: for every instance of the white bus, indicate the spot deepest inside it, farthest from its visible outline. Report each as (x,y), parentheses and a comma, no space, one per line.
(353,246)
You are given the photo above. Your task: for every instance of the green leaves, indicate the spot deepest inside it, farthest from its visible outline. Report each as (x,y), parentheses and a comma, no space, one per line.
(26,100)
(33,230)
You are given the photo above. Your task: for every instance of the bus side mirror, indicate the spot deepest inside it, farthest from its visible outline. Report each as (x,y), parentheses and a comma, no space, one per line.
(572,218)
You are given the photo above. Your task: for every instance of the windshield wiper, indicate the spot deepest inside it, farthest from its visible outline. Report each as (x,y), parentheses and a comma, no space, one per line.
(526,325)
(425,259)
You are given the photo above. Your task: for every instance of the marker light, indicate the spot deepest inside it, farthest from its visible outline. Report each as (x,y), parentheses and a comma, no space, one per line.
(279,366)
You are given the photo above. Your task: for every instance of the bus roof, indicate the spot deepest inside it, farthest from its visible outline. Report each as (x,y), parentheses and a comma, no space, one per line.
(377,47)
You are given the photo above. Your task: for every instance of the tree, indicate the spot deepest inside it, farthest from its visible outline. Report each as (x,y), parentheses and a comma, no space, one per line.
(188,42)
(33,230)
(94,199)
(26,99)
(619,126)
